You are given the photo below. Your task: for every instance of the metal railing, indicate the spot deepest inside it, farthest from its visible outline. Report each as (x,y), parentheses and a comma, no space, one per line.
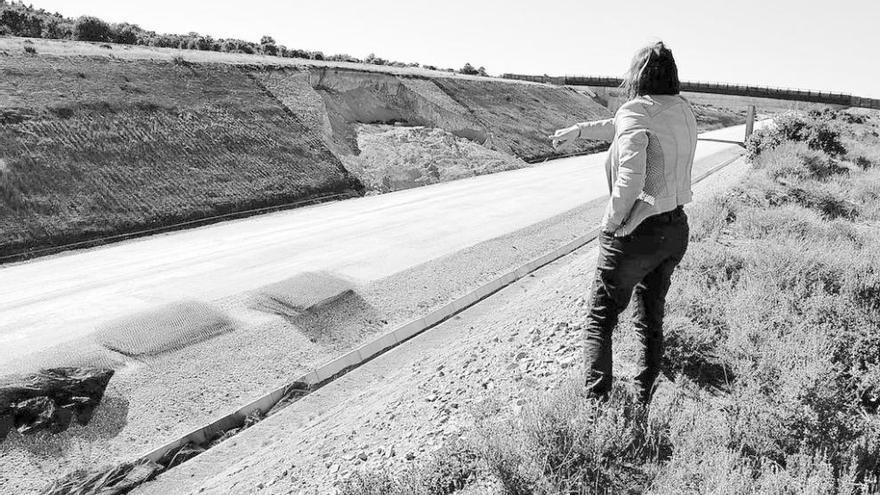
(792,94)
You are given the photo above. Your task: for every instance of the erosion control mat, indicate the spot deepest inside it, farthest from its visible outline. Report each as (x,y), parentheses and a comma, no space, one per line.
(296,295)
(164,329)
(324,307)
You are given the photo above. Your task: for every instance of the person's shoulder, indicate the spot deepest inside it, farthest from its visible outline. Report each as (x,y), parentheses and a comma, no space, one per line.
(635,108)
(637,104)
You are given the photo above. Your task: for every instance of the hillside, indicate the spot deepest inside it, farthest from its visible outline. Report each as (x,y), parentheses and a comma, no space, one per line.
(101,140)
(95,146)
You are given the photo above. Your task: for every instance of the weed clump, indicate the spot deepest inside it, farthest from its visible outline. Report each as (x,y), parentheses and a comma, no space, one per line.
(449,470)
(566,443)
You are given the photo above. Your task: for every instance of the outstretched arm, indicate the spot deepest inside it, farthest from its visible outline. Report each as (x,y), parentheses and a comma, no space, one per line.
(600,130)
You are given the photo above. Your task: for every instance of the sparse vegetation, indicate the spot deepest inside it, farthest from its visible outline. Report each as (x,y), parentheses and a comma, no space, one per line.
(18,19)
(773,350)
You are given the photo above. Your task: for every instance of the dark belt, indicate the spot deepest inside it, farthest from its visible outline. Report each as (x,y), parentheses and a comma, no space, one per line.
(668,216)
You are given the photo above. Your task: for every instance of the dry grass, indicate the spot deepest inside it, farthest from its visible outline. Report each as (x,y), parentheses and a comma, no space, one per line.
(772,359)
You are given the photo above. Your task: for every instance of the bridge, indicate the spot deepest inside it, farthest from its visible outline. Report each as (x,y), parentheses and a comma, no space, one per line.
(716,88)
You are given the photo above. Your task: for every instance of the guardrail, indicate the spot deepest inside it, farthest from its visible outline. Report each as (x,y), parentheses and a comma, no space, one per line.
(715,88)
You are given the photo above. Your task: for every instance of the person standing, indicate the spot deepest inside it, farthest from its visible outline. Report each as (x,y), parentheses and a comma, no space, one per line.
(644,232)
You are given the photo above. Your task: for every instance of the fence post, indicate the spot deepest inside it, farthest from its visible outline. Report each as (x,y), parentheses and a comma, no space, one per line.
(750,121)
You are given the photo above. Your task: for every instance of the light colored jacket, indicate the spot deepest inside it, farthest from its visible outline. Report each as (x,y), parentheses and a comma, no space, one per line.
(653,140)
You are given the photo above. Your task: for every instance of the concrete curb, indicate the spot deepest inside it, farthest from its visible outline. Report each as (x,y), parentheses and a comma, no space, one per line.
(366,352)
(328,371)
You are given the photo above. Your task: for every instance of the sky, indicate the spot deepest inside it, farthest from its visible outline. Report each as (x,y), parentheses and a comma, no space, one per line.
(808,44)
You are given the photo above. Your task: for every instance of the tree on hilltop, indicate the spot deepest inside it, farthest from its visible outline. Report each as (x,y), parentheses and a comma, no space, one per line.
(88,28)
(469,70)
(126,34)
(268,46)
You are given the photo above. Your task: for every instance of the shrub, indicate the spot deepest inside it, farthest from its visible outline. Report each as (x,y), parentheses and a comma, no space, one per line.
(21,23)
(823,137)
(29,49)
(268,46)
(760,141)
(89,28)
(125,34)
(693,351)
(862,162)
(469,70)
(373,59)
(817,132)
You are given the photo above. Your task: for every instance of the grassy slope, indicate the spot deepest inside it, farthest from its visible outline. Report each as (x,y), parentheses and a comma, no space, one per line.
(95,146)
(710,117)
(772,350)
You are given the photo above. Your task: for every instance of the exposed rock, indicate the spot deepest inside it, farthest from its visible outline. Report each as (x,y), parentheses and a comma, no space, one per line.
(115,481)
(50,399)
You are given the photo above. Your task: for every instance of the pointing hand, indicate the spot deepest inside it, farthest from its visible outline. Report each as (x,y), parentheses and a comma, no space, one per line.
(563,138)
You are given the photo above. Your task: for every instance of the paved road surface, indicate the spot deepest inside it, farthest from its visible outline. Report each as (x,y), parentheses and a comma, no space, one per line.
(56,299)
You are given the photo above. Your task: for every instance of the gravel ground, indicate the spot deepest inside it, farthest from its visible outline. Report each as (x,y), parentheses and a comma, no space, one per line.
(154,400)
(396,409)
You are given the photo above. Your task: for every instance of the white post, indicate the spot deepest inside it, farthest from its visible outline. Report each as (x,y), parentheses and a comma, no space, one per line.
(750,121)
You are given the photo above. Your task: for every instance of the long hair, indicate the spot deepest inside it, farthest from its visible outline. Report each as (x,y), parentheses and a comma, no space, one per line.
(652,72)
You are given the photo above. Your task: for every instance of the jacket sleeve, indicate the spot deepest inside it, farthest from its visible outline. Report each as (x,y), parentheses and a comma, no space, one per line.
(599,130)
(632,145)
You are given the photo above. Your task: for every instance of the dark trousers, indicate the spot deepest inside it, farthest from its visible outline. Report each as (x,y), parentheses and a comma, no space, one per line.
(642,262)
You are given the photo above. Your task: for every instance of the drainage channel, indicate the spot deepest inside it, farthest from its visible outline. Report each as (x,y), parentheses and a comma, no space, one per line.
(127,476)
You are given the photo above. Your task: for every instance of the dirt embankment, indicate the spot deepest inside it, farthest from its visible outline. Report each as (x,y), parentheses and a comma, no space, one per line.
(95,147)
(92,147)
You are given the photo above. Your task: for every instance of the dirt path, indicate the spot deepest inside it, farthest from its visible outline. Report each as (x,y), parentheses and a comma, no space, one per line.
(402,405)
